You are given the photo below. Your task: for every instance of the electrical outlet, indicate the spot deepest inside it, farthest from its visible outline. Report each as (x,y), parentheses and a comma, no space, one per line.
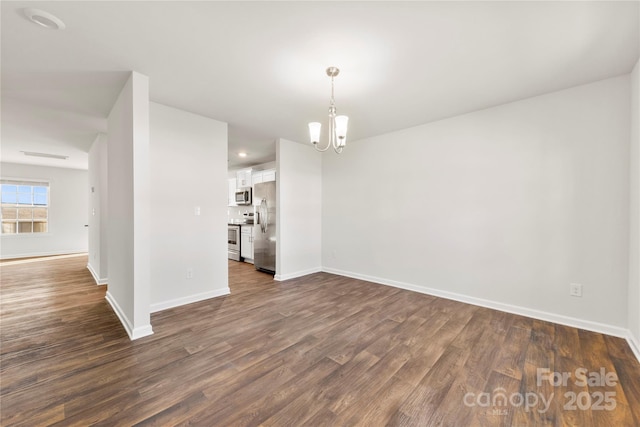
(189,273)
(196,211)
(575,289)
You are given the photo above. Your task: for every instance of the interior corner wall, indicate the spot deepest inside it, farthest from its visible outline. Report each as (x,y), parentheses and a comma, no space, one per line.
(299,217)
(67,213)
(189,199)
(128,207)
(104,208)
(634,212)
(503,207)
(98,233)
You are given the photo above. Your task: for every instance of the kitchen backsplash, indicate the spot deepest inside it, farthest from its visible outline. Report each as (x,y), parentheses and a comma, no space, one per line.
(235,213)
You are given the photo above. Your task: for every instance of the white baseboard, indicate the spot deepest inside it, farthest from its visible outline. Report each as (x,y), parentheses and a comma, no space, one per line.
(634,343)
(141,331)
(281,277)
(78,252)
(134,333)
(95,276)
(509,308)
(189,299)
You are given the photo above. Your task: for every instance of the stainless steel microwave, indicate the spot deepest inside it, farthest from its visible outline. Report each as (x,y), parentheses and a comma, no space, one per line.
(243,196)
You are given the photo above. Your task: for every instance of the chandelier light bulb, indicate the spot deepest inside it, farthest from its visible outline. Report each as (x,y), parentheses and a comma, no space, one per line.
(341,129)
(314,132)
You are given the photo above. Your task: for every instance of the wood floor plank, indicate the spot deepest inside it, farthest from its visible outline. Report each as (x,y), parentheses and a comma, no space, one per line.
(378,411)
(540,394)
(425,398)
(440,339)
(316,350)
(328,391)
(272,402)
(597,361)
(568,416)
(473,376)
(628,375)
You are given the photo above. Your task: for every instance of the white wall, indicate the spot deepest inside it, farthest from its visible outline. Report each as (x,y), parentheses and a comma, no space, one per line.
(188,170)
(98,232)
(129,207)
(634,194)
(299,219)
(67,213)
(503,207)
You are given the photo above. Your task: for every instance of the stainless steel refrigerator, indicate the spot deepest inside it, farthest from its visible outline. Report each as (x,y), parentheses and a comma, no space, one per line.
(264,244)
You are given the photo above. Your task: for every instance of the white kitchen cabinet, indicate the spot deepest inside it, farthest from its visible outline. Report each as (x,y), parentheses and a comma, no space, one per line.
(246,243)
(263,176)
(243,178)
(232,192)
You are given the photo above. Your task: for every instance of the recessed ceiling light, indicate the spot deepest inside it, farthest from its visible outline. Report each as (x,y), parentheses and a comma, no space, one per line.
(47,155)
(44,19)
(242,154)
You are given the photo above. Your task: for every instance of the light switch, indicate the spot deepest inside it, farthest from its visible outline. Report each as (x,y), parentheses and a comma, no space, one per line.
(196,211)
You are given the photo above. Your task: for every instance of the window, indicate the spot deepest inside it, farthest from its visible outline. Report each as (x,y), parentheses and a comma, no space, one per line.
(25,206)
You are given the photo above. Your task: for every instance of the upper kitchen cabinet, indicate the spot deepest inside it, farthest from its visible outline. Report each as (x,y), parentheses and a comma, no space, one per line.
(263,176)
(232,192)
(243,178)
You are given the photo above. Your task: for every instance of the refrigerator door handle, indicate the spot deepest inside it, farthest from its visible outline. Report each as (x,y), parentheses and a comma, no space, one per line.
(264,213)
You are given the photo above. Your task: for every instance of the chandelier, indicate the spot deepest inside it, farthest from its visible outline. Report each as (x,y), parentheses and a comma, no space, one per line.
(337,124)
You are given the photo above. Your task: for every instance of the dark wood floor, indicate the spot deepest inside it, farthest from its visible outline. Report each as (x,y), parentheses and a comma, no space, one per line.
(320,350)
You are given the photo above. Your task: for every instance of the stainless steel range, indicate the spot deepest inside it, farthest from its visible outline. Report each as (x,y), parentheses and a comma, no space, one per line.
(234,242)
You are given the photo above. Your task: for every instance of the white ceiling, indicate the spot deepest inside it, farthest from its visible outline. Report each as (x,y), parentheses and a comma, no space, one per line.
(260,65)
